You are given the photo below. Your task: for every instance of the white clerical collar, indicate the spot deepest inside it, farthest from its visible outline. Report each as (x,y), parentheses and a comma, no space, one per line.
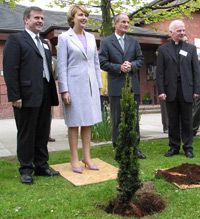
(118,36)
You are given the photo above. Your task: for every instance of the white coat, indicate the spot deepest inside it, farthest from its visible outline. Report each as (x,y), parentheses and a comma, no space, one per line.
(79,74)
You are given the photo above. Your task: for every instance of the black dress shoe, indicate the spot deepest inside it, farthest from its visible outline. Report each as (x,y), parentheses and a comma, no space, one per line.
(189,154)
(51,139)
(141,155)
(46,172)
(26,179)
(171,152)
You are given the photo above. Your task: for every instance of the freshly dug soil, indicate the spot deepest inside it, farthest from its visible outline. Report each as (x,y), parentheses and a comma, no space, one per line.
(146,202)
(185,174)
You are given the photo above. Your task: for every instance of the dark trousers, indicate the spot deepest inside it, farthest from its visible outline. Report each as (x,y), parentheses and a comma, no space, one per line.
(104,102)
(33,125)
(180,114)
(115,110)
(196,115)
(164,115)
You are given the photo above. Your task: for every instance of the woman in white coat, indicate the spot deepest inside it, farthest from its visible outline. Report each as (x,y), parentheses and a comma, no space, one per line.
(79,80)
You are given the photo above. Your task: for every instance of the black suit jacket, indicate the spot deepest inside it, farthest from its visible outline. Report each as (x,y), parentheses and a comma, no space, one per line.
(167,67)
(112,57)
(23,70)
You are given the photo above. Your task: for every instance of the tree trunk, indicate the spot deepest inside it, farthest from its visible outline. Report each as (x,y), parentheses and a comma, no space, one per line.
(106,18)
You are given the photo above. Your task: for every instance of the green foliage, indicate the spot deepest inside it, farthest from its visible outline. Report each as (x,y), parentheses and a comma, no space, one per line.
(137,10)
(168,11)
(102,131)
(94,24)
(127,147)
(147,96)
(106,28)
(11,2)
(140,10)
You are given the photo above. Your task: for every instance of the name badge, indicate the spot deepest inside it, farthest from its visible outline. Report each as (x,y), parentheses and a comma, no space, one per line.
(183,53)
(45,46)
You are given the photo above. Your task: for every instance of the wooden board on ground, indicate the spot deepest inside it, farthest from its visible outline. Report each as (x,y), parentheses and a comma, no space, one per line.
(187,186)
(105,172)
(180,186)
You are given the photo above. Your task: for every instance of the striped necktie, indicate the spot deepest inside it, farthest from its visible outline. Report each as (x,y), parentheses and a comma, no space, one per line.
(45,66)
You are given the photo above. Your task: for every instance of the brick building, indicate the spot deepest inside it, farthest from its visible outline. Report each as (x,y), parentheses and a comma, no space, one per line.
(191,27)
(54,24)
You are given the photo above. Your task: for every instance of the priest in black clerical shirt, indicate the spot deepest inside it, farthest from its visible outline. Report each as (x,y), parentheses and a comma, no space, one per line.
(178,81)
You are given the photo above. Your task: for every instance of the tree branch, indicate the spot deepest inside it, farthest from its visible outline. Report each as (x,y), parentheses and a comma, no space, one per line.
(73,3)
(154,7)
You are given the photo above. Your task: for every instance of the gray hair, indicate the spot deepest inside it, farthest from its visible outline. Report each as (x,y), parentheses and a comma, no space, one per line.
(116,17)
(171,26)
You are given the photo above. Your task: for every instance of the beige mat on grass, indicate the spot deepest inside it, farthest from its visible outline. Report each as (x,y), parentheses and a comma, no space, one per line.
(105,172)
(180,186)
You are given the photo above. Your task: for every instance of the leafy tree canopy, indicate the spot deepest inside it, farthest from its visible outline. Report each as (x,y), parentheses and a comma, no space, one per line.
(137,10)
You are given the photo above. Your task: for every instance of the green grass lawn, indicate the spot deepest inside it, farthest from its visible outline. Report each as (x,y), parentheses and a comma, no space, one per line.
(55,197)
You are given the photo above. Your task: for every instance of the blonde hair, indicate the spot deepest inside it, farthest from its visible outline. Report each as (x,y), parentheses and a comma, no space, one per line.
(72,11)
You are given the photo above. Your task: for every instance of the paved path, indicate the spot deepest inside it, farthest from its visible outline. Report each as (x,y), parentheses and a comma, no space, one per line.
(150,128)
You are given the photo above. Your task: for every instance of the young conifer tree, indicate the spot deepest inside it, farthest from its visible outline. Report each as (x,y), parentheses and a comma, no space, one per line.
(127,147)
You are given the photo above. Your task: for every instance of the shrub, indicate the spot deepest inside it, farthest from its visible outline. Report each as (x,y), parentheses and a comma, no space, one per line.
(102,131)
(127,148)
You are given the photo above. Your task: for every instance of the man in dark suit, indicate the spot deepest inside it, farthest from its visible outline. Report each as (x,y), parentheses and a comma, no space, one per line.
(120,55)
(196,116)
(31,89)
(178,81)
(196,112)
(54,68)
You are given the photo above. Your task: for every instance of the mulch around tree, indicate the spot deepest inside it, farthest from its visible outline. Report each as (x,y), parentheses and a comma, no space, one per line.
(145,202)
(184,176)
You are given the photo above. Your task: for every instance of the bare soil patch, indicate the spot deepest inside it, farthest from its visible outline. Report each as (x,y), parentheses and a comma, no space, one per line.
(185,176)
(145,202)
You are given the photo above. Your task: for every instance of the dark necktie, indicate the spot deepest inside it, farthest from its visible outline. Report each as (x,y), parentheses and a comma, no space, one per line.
(42,52)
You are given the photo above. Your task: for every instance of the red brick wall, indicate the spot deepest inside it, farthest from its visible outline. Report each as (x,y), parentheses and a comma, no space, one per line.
(1,54)
(147,85)
(192,31)
(191,26)
(6,110)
